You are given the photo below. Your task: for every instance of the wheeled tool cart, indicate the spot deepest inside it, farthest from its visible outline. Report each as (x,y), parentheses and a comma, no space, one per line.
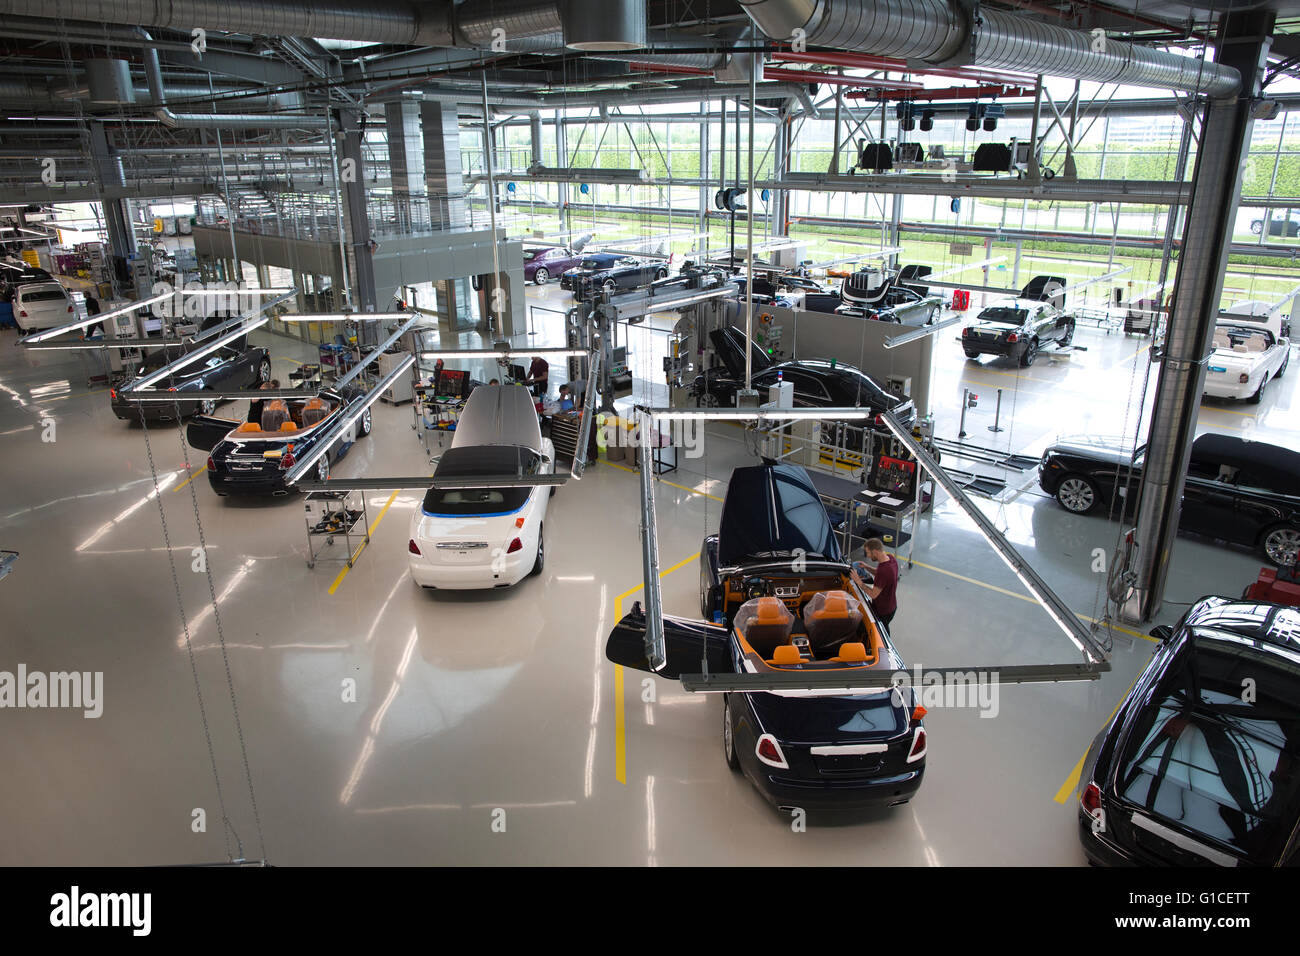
(336,514)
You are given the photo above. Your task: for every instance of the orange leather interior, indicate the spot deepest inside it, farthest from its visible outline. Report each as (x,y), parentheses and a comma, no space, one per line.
(786,654)
(249,427)
(288,427)
(274,414)
(770,627)
(852,653)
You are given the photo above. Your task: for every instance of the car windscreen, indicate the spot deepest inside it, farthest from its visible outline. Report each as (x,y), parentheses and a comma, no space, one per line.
(1210,756)
(481,461)
(1004,314)
(594,264)
(43,295)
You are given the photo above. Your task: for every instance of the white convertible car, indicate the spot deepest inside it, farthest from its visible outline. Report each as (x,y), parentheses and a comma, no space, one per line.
(481,536)
(1247,356)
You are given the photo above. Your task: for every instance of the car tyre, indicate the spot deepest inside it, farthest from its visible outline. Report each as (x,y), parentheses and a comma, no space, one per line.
(973,356)
(541,277)
(1259,392)
(707,400)
(1029,354)
(1286,360)
(541,551)
(729,736)
(1257,227)
(1281,545)
(609,285)
(1068,337)
(366,423)
(1077,494)
(661,274)
(323,467)
(207,406)
(264,371)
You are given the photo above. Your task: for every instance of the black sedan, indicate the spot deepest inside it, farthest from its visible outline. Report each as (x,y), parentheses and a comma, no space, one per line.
(1288,226)
(254,457)
(623,275)
(230,367)
(1017,330)
(1193,770)
(1243,492)
(783,598)
(591,262)
(817,383)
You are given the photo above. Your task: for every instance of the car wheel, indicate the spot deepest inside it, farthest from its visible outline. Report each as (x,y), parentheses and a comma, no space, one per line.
(609,285)
(1285,361)
(323,467)
(264,371)
(1068,337)
(541,551)
(1259,392)
(661,274)
(1282,545)
(1077,494)
(1257,227)
(541,276)
(207,406)
(729,737)
(973,356)
(1029,354)
(707,400)
(366,423)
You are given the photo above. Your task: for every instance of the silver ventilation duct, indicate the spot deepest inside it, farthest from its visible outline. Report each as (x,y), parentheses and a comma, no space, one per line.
(935,31)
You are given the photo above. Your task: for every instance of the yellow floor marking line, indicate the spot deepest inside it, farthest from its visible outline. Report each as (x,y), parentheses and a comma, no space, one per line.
(191,478)
(361,547)
(673,484)
(620,705)
(1072,781)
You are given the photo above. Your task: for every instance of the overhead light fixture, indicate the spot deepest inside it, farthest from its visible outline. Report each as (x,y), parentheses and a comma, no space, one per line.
(745,414)
(502,353)
(917,334)
(86,323)
(239,291)
(1056,609)
(343,316)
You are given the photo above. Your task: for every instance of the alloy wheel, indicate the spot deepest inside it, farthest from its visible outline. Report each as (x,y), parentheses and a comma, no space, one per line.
(1076,495)
(1282,546)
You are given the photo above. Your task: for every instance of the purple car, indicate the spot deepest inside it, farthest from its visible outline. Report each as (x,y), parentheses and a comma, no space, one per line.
(542,265)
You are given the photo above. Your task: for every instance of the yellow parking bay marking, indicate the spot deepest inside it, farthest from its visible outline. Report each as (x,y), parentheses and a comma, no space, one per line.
(620,716)
(361,547)
(191,478)
(671,484)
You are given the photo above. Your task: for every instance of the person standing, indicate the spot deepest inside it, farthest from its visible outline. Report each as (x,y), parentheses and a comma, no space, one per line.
(884,587)
(538,374)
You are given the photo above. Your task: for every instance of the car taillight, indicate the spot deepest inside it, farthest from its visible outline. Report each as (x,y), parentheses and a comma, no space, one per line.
(880,419)
(1091,799)
(965,333)
(69,308)
(22,313)
(1243,378)
(1012,337)
(112,394)
(212,465)
(769,751)
(412,547)
(287,460)
(918,746)
(515,545)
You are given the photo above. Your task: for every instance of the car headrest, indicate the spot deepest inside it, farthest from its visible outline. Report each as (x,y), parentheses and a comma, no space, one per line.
(786,654)
(288,427)
(851,653)
(249,427)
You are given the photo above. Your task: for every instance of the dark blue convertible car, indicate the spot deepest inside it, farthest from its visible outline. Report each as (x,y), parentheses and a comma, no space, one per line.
(782,598)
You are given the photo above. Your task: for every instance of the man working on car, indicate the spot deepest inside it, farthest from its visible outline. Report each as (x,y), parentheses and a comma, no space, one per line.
(884,587)
(538,373)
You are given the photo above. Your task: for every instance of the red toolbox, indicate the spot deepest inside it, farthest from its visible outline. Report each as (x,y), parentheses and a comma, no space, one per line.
(960,300)
(1278,588)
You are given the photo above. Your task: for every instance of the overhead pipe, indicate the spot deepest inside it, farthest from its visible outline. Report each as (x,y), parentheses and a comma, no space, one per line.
(936,33)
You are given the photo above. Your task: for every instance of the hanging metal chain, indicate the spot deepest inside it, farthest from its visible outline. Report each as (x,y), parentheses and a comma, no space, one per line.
(227,825)
(221,640)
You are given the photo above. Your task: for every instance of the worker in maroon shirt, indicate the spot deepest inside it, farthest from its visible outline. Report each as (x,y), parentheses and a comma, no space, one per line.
(538,374)
(883,590)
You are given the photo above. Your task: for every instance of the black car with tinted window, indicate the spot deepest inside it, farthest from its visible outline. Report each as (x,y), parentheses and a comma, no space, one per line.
(782,598)
(1200,765)
(817,383)
(1246,493)
(231,367)
(623,275)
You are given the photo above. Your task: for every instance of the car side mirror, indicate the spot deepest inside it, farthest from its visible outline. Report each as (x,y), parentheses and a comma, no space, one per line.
(1161,632)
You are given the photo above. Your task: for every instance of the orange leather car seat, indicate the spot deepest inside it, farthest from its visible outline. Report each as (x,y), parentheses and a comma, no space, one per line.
(274,414)
(313,412)
(249,427)
(851,653)
(832,622)
(770,626)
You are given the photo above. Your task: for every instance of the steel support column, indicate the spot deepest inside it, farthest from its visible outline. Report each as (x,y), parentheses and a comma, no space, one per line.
(354,201)
(1243,42)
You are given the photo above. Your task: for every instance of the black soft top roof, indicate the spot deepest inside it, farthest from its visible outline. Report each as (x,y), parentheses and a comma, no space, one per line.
(1280,465)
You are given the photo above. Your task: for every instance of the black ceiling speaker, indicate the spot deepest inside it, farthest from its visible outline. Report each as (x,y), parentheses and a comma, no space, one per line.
(907,124)
(972,123)
(990,124)
(927,121)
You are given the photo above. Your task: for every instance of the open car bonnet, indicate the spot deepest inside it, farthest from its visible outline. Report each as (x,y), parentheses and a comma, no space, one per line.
(773,511)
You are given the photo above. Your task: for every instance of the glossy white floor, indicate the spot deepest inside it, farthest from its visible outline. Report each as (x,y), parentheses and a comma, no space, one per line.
(472,704)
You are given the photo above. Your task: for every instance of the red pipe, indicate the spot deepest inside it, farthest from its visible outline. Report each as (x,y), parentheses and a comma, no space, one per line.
(865,62)
(948,93)
(811,76)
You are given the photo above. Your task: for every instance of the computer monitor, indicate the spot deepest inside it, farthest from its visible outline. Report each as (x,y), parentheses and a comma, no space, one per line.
(518,373)
(453,383)
(618,356)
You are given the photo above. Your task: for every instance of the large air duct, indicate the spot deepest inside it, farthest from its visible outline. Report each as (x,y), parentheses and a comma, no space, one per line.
(937,32)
